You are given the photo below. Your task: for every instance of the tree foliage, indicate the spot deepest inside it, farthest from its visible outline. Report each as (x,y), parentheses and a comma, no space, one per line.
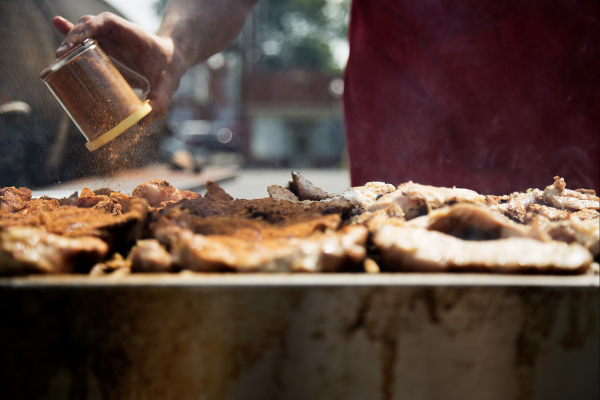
(301,33)
(297,33)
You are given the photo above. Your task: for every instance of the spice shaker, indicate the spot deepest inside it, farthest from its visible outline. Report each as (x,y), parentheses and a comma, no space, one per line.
(97,97)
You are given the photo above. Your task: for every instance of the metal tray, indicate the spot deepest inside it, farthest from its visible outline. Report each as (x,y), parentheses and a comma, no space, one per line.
(297,337)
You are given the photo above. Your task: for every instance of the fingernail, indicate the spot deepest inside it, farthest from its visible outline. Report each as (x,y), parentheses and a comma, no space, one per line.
(63,47)
(83,34)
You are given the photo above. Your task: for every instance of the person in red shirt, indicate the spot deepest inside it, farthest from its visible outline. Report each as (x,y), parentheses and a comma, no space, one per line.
(491,96)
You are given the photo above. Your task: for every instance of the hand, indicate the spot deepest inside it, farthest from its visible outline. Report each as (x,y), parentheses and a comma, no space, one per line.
(151,55)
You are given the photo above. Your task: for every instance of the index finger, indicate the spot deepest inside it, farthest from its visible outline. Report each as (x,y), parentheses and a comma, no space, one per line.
(62,25)
(75,36)
(86,27)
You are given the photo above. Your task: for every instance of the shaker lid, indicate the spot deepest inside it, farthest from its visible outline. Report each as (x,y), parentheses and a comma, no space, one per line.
(71,54)
(122,127)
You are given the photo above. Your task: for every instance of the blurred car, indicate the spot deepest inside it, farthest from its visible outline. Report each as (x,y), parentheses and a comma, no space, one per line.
(179,156)
(210,135)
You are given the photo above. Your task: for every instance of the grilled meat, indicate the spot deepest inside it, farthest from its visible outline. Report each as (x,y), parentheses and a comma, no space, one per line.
(103,199)
(305,190)
(471,222)
(420,250)
(13,200)
(157,192)
(587,214)
(555,203)
(119,231)
(214,192)
(516,205)
(410,201)
(69,201)
(217,202)
(558,196)
(19,201)
(553,214)
(572,230)
(88,199)
(247,226)
(416,228)
(278,193)
(483,235)
(217,233)
(149,256)
(366,196)
(415,200)
(26,250)
(301,189)
(116,266)
(320,252)
(353,201)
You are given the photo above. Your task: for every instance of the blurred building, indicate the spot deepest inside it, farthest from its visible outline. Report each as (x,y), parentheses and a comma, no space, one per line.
(294,119)
(267,96)
(288,119)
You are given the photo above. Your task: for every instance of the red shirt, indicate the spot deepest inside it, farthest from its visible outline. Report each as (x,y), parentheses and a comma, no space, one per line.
(495,96)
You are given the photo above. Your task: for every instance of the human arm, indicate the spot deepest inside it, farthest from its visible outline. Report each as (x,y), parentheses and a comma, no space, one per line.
(190,32)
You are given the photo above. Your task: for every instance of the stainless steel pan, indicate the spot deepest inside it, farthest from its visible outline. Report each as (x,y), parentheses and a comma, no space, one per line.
(300,337)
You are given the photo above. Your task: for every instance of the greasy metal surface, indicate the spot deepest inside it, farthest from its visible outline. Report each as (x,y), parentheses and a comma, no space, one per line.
(300,337)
